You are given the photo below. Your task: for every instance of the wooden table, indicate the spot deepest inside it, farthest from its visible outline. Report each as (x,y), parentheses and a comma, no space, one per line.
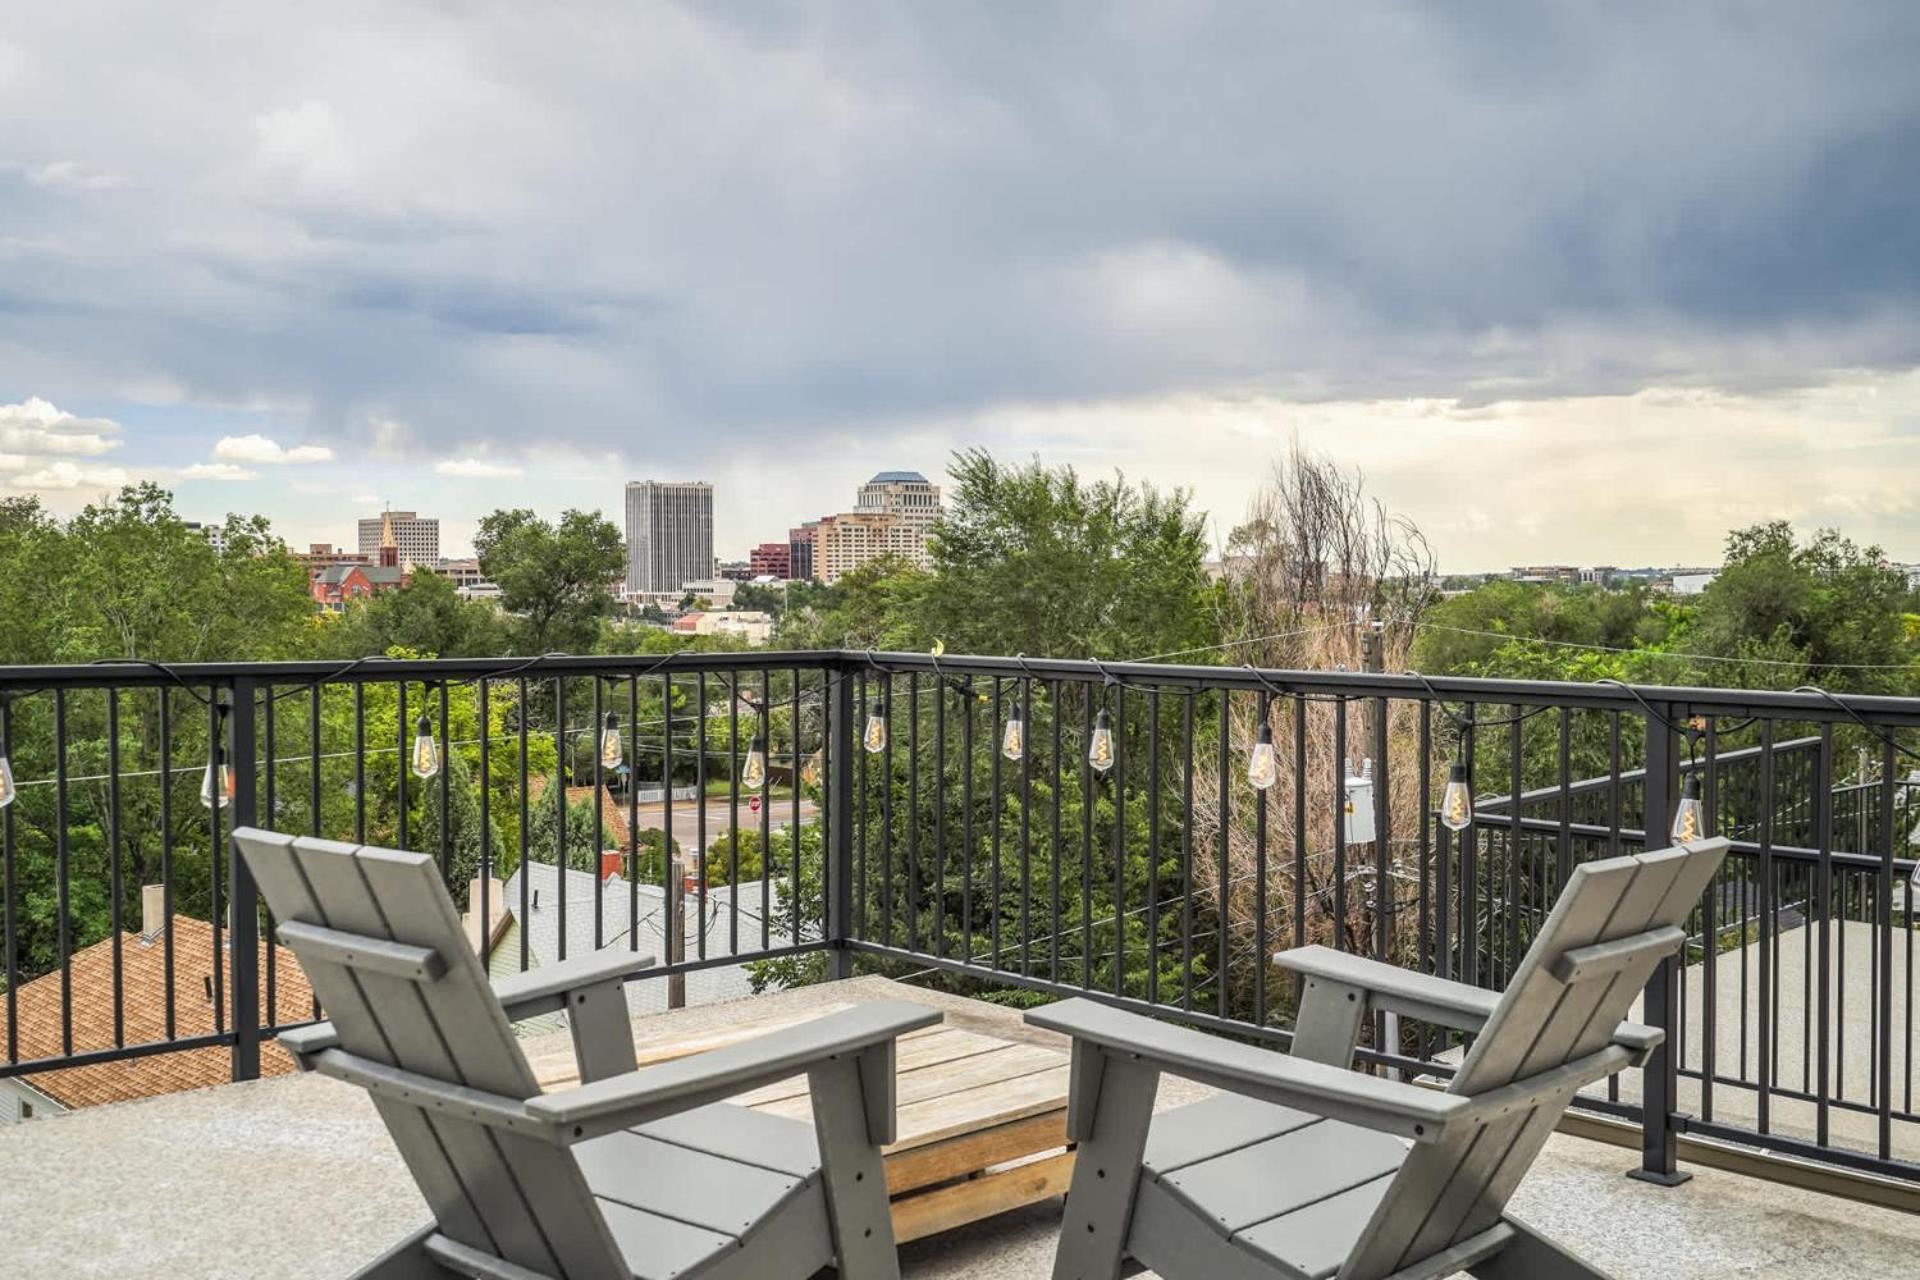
(982,1120)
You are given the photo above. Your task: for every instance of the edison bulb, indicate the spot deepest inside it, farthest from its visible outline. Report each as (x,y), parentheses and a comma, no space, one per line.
(875,737)
(753,774)
(1456,806)
(1263,766)
(426,752)
(1100,749)
(7,789)
(1690,819)
(216,786)
(810,771)
(612,751)
(1013,743)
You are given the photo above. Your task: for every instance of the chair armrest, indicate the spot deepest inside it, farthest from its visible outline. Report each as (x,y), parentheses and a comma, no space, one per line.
(305,1042)
(545,990)
(650,1093)
(1413,995)
(1387,1105)
(1638,1040)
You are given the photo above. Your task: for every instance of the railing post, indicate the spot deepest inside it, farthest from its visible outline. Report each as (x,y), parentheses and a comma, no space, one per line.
(1660,1079)
(243,934)
(842,741)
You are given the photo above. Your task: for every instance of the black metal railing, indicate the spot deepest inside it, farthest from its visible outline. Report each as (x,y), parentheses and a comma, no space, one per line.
(1013,828)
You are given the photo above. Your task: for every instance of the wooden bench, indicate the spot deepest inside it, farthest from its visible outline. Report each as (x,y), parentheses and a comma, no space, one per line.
(982,1120)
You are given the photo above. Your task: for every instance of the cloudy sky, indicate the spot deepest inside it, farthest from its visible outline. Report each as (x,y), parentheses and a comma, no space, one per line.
(1570,281)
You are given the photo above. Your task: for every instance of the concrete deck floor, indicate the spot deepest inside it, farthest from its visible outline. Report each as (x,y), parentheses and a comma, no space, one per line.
(295,1177)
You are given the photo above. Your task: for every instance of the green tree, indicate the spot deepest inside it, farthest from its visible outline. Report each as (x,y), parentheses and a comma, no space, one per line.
(554,577)
(1825,611)
(1030,559)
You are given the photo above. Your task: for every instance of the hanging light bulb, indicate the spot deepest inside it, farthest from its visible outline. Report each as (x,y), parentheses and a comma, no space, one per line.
(1263,766)
(875,738)
(426,752)
(753,774)
(1100,748)
(1690,819)
(1013,743)
(216,787)
(612,751)
(810,771)
(7,789)
(1456,806)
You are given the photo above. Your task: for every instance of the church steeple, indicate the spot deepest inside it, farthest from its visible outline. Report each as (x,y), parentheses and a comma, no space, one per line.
(389,544)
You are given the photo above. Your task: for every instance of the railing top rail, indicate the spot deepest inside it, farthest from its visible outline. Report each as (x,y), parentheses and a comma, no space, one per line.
(1683,700)
(134,672)
(1679,700)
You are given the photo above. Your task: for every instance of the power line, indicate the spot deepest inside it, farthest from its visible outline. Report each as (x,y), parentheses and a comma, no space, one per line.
(1236,644)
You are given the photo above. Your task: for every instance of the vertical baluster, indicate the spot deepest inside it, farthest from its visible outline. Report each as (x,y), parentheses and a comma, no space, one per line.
(1338,768)
(1768,1030)
(115,889)
(523,712)
(360,761)
(1222,926)
(1187,886)
(597,726)
(1153,846)
(1883,1014)
(560,806)
(403,728)
(1026,831)
(766,808)
(1119,839)
(9,883)
(1823,894)
(940,691)
(1260,882)
(996,811)
(913,811)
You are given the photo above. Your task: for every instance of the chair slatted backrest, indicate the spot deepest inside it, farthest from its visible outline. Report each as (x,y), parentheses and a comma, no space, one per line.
(1449,1191)
(507,1194)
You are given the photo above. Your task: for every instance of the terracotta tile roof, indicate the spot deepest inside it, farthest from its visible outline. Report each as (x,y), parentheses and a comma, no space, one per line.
(143,987)
(613,814)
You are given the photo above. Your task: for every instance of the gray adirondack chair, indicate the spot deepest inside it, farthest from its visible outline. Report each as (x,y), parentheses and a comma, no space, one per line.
(634,1173)
(1304,1169)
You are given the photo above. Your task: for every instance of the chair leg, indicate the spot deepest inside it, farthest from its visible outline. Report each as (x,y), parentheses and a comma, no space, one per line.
(1533,1256)
(407,1260)
(853,1174)
(1111,1126)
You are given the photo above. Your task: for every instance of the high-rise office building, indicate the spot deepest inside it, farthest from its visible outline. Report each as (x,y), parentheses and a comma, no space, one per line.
(895,512)
(800,540)
(906,494)
(417,536)
(669,535)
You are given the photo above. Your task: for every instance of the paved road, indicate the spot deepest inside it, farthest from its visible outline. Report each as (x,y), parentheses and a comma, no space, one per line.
(686,818)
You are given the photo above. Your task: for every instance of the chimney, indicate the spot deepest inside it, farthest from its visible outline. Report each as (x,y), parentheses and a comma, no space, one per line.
(612,862)
(153,912)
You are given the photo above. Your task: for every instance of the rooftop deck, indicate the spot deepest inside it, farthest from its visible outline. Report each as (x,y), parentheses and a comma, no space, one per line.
(295,1176)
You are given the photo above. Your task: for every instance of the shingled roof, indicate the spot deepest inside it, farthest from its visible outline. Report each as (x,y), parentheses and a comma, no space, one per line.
(144,1006)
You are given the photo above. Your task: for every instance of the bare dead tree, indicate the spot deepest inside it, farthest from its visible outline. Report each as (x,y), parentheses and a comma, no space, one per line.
(1316,566)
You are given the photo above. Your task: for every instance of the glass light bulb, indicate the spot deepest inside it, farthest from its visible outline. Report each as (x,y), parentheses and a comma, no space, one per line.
(1013,743)
(216,786)
(426,752)
(612,750)
(753,774)
(1100,749)
(1456,806)
(1690,819)
(875,738)
(810,771)
(1263,765)
(7,790)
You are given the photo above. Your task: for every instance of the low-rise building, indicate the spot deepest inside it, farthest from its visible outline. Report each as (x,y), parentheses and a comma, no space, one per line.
(337,586)
(770,560)
(137,965)
(747,625)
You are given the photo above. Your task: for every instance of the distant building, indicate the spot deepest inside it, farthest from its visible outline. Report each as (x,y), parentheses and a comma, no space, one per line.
(749,625)
(336,586)
(669,535)
(895,513)
(800,543)
(416,536)
(769,560)
(467,578)
(324,555)
(734,570)
(215,534)
(1691,582)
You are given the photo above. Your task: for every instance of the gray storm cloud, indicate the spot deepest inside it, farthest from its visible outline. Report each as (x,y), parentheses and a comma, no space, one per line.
(629,227)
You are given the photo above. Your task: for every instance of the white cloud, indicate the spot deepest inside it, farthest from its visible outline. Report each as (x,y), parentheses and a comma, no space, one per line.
(217,471)
(71,175)
(36,427)
(475,469)
(69,475)
(260,450)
